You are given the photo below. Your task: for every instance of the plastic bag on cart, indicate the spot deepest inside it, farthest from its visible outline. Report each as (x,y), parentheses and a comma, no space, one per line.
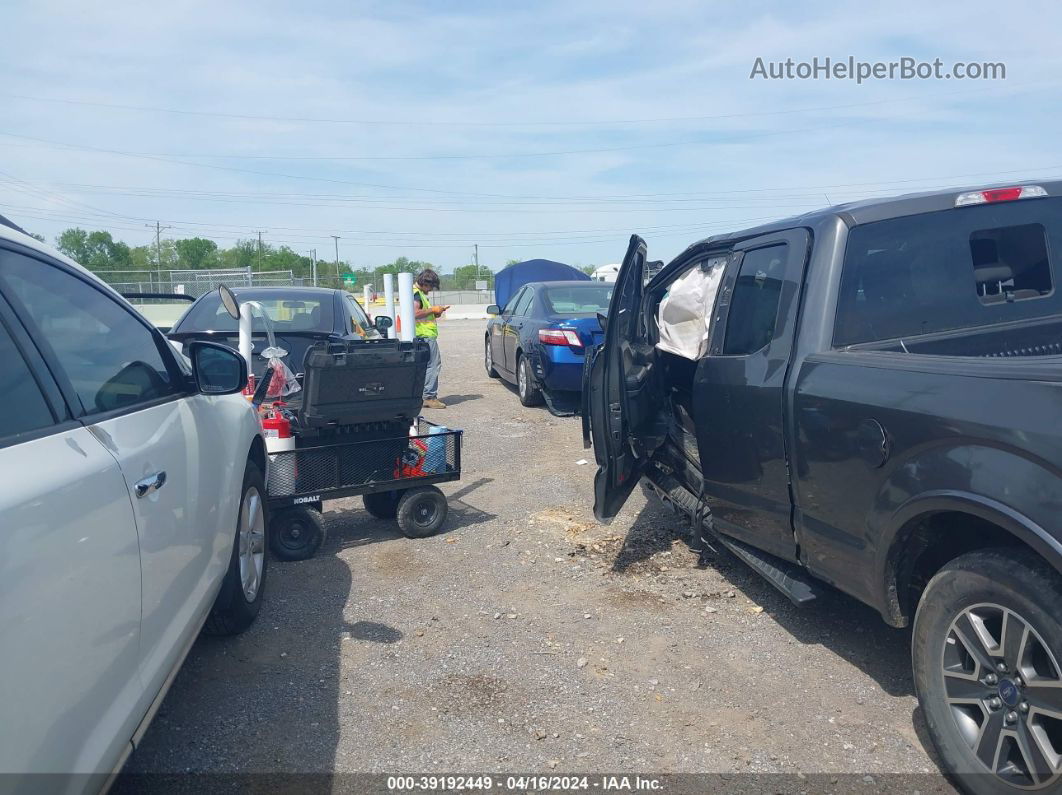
(283,382)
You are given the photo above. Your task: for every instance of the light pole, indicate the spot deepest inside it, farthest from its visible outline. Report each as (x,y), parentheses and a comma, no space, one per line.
(336,239)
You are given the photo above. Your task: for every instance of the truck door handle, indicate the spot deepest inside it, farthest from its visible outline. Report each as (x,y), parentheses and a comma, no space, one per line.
(149,484)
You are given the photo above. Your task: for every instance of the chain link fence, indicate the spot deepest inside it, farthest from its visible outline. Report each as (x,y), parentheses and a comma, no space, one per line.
(196,282)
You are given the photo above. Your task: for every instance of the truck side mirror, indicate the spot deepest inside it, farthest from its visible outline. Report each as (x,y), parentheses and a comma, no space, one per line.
(493,309)
(382,323)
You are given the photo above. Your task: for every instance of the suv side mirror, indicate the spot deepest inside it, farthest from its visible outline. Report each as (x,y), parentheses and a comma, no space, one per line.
(218,370)
(382,323)
(493,309)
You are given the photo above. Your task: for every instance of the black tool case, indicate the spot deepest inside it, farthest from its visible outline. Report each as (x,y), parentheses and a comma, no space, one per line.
(362,381)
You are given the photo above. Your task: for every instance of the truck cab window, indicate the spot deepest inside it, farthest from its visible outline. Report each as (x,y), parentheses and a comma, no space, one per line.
(754,307)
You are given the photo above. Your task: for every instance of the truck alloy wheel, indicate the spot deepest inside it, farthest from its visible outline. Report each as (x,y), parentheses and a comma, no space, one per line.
(986,654)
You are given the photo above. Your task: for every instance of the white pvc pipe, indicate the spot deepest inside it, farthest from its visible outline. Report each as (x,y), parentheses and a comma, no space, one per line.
(405,306)
(389,301)
(246,313)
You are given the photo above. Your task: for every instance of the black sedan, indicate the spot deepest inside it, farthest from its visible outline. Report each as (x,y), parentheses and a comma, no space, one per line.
(300,316)
(539,340)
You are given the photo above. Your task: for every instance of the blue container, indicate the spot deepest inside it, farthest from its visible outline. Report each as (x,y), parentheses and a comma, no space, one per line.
(435,456)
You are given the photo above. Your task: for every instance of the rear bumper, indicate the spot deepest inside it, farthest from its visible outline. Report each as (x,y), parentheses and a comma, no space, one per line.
(558,367)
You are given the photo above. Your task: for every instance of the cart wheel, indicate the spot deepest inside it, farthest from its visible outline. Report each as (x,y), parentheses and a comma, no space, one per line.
(296,533)
(421,512)
(382,504)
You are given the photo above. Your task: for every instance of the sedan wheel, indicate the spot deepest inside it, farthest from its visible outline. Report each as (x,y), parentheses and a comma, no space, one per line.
(530,394)
(488,359)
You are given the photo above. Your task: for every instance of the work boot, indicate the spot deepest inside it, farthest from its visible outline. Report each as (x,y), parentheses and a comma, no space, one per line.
(434,403)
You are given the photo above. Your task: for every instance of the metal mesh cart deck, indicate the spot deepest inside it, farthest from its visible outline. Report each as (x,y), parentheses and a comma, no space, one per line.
(395,475)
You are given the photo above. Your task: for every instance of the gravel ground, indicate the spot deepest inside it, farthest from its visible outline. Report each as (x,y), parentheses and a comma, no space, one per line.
(526,637)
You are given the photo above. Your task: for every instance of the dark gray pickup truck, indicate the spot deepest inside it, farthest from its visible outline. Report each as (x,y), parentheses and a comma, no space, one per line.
(871,397)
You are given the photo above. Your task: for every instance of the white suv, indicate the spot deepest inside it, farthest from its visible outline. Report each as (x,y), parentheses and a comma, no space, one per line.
(132,513)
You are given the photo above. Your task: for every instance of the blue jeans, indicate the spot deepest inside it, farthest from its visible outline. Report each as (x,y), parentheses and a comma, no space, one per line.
(431,380)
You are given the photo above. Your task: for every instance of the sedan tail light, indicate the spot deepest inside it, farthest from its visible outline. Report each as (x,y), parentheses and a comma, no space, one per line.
(559,336)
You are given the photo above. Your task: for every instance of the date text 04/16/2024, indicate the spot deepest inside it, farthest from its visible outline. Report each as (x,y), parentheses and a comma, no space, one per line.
(523,783)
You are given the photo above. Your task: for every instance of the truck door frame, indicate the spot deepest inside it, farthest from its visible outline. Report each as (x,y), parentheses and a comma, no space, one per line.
(743,433)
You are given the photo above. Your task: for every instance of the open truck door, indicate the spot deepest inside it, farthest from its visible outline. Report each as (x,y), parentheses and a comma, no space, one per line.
(617,388)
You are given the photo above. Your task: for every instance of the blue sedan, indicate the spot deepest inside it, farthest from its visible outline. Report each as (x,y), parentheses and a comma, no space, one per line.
(538,341)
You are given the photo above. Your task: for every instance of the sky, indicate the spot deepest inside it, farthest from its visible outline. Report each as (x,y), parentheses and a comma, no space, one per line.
(535,129)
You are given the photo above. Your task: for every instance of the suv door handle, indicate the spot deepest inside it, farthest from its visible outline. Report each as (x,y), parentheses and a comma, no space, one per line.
(149,484)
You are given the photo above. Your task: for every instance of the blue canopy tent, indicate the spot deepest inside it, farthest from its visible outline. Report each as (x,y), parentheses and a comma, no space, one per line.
(509,280)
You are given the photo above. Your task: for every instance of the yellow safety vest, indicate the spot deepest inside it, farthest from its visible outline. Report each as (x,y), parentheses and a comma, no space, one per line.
(425,327)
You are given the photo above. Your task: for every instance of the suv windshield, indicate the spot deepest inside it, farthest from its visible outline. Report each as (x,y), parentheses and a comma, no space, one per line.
(288,313)
(588,300)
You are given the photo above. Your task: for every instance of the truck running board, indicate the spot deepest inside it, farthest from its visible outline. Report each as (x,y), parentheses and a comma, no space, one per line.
(789,578)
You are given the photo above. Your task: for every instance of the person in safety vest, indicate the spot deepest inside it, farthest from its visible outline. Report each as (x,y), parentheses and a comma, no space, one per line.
(427,328)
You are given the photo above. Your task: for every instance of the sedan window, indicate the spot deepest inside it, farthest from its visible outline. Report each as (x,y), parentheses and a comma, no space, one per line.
(358,317)
(291,313)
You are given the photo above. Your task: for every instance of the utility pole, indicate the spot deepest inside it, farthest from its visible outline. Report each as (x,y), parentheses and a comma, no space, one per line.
(336,239)
(260,248)
(313,264)
(158,248)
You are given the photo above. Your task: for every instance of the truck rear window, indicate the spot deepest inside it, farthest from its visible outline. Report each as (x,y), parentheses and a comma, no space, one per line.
(960,268)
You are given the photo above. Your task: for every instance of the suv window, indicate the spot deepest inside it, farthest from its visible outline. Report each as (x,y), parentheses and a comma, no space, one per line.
(25,407)
(971,266)
(110,357)
(754,306)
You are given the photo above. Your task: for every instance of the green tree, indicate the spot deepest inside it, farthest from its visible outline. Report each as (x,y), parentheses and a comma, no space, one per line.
(587,269)
(196,252)
(466,276)
(97,251)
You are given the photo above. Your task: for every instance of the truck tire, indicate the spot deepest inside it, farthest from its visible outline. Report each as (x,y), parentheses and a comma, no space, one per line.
(526,388)
(421,512)
(382,504)
(297,533)
(240,598)
(986,651)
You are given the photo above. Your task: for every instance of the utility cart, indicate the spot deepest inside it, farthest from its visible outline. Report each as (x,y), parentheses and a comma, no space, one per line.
(354,429)
(395,475)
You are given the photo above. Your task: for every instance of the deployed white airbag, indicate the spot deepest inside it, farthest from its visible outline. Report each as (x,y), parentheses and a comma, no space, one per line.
(684,316)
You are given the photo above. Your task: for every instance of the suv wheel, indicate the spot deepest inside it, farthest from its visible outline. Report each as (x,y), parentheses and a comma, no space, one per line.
(986,651)
(240,597)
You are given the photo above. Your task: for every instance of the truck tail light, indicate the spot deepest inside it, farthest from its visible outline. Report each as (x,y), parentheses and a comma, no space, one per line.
(999,195)
(559,336)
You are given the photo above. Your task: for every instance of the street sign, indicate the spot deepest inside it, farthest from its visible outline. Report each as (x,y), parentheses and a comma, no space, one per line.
(349,278)
(481,285)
